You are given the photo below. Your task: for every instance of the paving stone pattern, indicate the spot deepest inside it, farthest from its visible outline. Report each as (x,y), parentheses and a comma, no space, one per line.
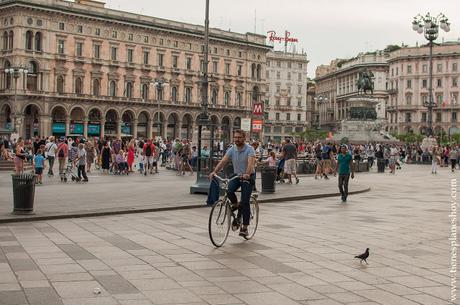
(302,253)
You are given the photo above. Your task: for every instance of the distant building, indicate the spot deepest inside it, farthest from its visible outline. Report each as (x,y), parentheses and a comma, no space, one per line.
(408,89)
(286,104)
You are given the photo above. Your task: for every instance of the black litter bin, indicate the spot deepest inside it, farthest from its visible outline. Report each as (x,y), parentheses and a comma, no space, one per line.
(380,165)
(268,179)
(23,193)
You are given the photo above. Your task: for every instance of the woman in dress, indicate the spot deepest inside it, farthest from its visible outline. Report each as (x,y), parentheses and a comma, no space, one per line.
(90,155)
(20,156)
(131,147)
(105,156)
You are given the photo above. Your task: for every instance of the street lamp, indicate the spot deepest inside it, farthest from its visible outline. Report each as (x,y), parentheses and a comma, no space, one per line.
(429,26)
(202,183)
(16,72)
(159,85)
(320,100)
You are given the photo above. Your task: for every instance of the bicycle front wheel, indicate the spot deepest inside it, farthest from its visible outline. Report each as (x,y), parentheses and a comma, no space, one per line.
(219,222)
(254,220)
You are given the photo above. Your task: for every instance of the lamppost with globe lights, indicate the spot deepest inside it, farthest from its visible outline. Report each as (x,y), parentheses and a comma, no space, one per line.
(429,26)
(159,85)
(320,99)
(16,72)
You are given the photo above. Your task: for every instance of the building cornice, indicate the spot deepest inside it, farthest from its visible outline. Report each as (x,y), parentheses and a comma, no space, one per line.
(348,69)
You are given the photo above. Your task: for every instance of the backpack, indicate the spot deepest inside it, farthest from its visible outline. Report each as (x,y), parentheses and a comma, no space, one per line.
(325,152)
(148,150)
(61,153)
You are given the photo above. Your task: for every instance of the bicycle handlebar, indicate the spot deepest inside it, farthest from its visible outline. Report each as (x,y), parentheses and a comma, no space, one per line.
(226,181)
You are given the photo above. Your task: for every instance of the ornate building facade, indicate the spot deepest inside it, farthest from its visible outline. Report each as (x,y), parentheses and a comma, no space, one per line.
(286,105)
(337,82)
(91,71)
(408,89)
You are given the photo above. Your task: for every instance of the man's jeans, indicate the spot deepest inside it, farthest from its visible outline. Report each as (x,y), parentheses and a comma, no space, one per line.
(51,163)
(246,190)
(343,185)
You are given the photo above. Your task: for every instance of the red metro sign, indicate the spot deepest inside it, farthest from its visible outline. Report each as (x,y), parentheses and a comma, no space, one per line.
(271,35)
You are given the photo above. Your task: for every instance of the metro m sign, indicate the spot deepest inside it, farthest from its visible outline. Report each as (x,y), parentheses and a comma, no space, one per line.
(258,109)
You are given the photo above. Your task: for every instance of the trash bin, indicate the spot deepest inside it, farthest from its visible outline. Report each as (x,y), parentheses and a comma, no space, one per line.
(23,193)
(268,179)
(380,165)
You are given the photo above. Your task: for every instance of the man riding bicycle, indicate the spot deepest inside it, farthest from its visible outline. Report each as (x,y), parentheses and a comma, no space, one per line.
(242,156)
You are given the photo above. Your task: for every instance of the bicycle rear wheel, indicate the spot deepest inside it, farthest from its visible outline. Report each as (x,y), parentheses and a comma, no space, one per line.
(254,220)
(219,222)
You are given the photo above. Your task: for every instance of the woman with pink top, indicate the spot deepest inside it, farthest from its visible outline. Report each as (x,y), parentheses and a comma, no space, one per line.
(272,159)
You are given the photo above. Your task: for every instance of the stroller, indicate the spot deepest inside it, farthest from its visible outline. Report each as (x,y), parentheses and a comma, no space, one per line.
(69,172)
(280,171)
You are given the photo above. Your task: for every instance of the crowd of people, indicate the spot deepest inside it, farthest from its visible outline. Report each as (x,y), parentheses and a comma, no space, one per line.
(78,156)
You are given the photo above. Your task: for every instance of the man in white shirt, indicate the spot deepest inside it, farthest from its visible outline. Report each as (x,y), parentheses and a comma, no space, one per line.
(50,154)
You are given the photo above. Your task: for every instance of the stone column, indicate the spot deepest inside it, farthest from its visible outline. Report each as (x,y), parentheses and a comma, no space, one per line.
(67,125)
(102,134)
(134,131)
(45,126)
(85,128)
(164,132)
(179,132)
(149,128)
(119,122)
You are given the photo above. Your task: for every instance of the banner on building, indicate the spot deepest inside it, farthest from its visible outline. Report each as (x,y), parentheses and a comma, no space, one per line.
(246,124)
(257,125)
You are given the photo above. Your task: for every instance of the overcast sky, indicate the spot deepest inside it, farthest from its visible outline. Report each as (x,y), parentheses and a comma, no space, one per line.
(326,29)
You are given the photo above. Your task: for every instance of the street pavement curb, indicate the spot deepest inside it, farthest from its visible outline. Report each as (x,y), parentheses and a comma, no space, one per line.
(121,211)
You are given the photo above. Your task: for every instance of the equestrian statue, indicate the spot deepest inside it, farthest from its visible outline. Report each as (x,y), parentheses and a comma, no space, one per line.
(365,82)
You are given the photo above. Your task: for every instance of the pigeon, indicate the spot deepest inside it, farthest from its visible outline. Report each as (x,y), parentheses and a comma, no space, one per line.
(364,256)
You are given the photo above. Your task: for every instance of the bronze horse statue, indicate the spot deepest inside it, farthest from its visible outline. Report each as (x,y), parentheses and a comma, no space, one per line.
(365,82)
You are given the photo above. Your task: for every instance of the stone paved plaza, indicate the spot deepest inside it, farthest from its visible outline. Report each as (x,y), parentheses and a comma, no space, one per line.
(302,253)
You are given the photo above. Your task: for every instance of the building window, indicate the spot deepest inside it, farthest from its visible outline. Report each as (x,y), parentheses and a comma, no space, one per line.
(289,65)
(129,89)
(454,67)
(113,88)
(299,89)
(214,97)
(79,29)
(454,82)
(114,34)
(424,83)
(159,93)
(288,101)
(439,68)
(288,116)
(29,40)
(145,92)
(439,99)
(215,50)
(79,49)
(240,54)
(161,41)
(175,60)
(226,98)
(439,82)
(189,63)
(278,64)
(424,117)
(160,60)
(201,65)
(300,66)
(240,70)
(174,94)
(278,89)
(299,117)
(289,89)
(130,37)
(61,26)
(114,52)
(408,117)
(97,51)
(409,69)
(130,55)
(188,95)
(60,84)
(176,44)
(278,75)
(299,102)
(454,116)
(61,45)
(238,99)
(409,84)
(228,52)
(5,40)
(277,102)
(289,76)
(214,66)
(97,32)
(38,41)
(227,68)
(424,68)
(409,99)
(146,57)
(78,85)
(438,117)
(300,77)
(146,39)
(277,116)
(96,87)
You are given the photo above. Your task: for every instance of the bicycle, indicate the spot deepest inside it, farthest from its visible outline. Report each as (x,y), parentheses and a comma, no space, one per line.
(222,216)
